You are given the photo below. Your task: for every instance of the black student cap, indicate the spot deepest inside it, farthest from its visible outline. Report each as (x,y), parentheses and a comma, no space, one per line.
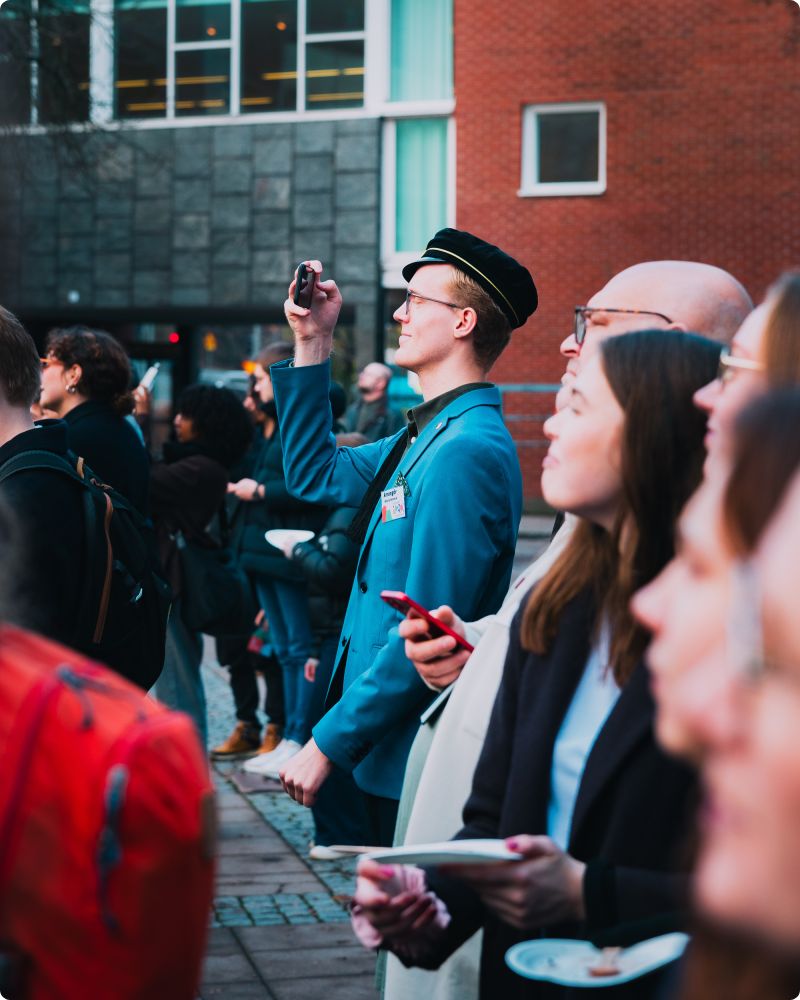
(504,279)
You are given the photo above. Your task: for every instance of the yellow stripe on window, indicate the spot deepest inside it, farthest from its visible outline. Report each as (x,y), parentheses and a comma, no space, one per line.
(357,95)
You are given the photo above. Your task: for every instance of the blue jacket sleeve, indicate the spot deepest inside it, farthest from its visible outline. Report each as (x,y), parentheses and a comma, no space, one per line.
(316,470)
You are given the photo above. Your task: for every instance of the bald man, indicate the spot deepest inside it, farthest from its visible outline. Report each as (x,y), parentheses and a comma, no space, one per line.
(371,414)
(681,295)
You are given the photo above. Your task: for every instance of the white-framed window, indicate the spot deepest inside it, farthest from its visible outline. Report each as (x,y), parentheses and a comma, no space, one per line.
(418,132)
(189,58)
(563,149)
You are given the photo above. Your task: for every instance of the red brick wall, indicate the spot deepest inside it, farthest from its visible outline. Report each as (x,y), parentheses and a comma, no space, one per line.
(703,106)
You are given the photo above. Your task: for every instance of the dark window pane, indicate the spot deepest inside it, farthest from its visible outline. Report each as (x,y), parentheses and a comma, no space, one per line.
(344,15)
(202,82)
(269,55)
(335,75)
(63,61)
(15,70)
(140,45)
(199,21)
(568,146)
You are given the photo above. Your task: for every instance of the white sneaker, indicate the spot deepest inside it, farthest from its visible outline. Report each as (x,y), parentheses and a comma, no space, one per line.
(321,852)
(269,764)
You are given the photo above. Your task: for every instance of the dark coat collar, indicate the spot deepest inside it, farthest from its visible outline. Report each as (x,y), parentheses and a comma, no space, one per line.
(46,435)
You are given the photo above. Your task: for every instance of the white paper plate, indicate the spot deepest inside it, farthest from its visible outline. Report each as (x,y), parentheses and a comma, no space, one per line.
(447,852)
(281,536)
(566,962)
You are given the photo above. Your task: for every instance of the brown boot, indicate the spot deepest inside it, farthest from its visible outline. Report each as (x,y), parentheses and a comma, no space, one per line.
(243,742)
(272,736)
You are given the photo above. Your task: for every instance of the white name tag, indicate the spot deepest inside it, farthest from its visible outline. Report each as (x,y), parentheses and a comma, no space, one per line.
(393,504)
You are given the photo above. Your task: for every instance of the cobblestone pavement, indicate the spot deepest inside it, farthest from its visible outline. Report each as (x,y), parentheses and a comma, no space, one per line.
(280,927)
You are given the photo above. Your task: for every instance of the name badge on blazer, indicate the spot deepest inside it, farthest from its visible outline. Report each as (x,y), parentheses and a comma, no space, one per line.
(393,504)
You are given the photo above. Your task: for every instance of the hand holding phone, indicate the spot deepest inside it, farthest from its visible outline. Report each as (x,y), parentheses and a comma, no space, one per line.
(403,603)
(304,286)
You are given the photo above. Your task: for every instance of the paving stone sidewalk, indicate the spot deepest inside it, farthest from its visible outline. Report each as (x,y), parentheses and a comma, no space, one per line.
(280,927)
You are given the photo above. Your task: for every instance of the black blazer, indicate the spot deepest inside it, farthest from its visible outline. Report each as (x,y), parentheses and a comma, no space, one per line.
(112,449)
(631,817)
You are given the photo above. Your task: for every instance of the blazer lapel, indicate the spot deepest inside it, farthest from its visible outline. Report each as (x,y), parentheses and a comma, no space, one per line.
(415,452)
(629,722)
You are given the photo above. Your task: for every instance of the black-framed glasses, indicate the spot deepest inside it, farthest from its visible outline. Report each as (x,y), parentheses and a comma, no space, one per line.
(426,298)
(583,315)
(730,364)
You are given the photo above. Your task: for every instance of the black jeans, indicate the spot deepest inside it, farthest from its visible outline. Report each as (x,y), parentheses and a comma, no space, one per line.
(243,664)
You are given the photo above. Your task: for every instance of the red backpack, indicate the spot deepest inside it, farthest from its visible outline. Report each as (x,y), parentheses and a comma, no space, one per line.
(106,833)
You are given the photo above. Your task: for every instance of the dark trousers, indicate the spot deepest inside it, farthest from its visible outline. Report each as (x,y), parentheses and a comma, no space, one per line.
(382,818)
(340,814)
(242,665)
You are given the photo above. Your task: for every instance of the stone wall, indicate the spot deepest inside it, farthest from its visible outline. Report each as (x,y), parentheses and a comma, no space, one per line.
(203,217)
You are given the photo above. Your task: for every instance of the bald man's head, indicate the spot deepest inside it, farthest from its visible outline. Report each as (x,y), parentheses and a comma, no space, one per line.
(373,381)
(681,294)
(697,297)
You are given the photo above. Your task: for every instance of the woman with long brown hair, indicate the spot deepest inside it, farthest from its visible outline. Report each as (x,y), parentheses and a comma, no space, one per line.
(570,773)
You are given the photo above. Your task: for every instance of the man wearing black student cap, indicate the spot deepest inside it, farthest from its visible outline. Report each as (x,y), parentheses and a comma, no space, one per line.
(440,501)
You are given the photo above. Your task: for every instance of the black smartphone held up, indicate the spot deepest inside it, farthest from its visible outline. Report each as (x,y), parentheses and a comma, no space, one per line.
(402,602)
(304,287)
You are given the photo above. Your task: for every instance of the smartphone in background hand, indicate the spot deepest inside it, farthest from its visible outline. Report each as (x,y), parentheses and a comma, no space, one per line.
(304,288)
(402,602)
(150,376)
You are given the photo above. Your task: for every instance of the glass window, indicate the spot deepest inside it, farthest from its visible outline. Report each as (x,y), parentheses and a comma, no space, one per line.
(568,146)
(421,181)
(563,149)
(15,79)
(202,82)
(202,20)
(269,55)
(335,74)
(422,50)
(322,16)
(140,44)
(63,61)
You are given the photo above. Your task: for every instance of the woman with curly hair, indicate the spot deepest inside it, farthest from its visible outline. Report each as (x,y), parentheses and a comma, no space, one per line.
(187,489)
(86,379)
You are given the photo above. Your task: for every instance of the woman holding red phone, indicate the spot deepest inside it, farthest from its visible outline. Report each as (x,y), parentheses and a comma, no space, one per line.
(570,773)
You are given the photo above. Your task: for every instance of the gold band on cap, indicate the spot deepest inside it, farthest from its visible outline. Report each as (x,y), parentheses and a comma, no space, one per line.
(475,269)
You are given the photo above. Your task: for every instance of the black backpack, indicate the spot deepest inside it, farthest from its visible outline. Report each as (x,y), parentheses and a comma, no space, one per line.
(125,601)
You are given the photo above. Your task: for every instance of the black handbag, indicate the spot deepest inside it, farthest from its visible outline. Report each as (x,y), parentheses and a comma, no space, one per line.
(216,595)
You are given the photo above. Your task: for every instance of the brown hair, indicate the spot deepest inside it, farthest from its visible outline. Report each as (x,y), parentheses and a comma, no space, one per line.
(782,331)
(20,367)
(653,374)
(105,368)
(277,350)
(492,330)
(766,455)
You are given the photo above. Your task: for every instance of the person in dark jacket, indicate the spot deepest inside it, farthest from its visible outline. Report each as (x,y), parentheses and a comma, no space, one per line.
(187,490)
(265,504)
(329,563)
(570,774)
(46,506)
(370,414)
(86,381)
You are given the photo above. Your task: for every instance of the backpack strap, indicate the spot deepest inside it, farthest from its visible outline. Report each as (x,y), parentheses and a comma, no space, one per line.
(28,461)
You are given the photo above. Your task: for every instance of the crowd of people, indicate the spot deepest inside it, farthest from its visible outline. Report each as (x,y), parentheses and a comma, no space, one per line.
(621,715)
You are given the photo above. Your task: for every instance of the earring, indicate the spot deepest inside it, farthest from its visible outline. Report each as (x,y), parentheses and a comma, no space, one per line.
(72,389)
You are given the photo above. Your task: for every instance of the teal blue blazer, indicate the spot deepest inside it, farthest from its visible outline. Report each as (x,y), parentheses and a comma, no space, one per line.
(454,546)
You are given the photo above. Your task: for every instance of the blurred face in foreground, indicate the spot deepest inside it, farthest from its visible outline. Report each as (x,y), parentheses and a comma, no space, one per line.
(686,608)
(740,381)
(749,869)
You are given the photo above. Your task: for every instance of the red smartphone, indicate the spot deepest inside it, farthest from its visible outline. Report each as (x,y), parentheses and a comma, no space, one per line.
(402,602)
(304,288)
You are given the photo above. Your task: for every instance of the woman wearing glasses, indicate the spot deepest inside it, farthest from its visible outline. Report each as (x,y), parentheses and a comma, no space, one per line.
(570,773)
(765,352)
